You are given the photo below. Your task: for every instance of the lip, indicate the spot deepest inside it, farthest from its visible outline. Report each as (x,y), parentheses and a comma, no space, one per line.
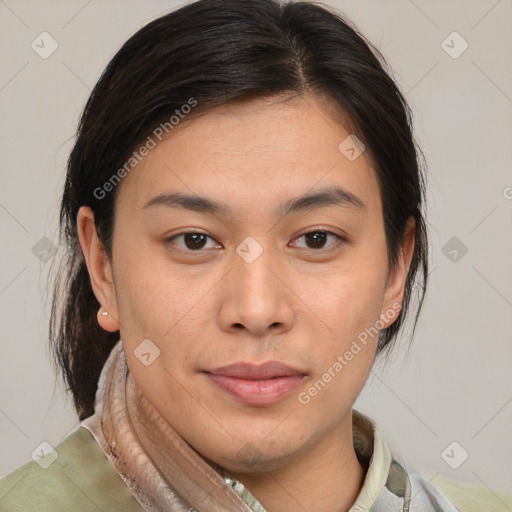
(264,384)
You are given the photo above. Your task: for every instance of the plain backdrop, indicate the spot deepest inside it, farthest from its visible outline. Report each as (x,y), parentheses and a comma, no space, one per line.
(455,384)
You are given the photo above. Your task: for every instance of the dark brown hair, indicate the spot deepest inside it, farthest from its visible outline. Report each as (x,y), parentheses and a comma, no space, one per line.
(217,52)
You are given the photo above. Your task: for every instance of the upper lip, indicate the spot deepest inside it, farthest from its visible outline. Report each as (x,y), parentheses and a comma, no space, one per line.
(250,371)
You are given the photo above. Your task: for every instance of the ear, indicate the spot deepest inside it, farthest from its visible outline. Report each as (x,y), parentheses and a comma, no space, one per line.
(394,293)
(99,268)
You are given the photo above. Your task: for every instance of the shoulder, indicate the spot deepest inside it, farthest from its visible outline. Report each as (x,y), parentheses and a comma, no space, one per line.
(468,497)
(76,476)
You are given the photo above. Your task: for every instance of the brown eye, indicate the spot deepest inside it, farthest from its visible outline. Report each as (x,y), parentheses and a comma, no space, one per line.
(191,241)
(194,240)
(318,239)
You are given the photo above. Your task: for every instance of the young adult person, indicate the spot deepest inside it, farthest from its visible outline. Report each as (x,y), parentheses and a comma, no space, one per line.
(244,211)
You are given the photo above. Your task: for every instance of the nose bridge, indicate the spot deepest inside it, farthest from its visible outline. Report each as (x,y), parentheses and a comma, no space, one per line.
(257,298)
(256,281)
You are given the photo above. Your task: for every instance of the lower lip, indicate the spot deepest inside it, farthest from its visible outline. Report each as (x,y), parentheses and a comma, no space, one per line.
(257,392)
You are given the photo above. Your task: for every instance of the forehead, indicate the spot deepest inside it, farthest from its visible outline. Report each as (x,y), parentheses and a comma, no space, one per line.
(247,154)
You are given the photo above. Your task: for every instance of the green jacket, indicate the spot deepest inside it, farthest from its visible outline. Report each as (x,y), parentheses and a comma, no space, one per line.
(82,479)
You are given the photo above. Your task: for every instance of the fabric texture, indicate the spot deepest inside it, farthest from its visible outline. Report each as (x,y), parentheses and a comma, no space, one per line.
(80,479)
(105,466)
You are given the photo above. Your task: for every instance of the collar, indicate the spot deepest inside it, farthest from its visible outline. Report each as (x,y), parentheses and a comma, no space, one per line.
(373,453)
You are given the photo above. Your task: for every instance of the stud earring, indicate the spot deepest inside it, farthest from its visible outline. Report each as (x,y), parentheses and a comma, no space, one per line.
(106,320)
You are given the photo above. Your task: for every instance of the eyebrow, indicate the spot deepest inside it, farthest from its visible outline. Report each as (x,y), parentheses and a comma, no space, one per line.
(331,196)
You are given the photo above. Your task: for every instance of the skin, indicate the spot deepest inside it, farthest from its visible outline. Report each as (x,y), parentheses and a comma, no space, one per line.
(295,303)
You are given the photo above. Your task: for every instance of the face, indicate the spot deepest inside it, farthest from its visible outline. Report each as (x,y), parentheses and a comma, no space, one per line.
(277,256)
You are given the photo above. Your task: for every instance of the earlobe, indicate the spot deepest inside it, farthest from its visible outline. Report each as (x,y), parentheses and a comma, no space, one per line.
(99,268)
(107,321)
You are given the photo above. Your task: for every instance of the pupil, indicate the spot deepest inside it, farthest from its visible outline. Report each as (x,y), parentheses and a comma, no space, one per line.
(197,240)
(316,239)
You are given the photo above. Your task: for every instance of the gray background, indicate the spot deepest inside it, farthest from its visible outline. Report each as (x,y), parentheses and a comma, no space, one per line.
(455,384)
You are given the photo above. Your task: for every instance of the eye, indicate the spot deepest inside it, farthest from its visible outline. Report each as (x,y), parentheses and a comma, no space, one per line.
(192,241)
(317,239)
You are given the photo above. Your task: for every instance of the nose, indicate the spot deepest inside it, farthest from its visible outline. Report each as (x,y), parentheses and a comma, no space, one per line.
(255,297)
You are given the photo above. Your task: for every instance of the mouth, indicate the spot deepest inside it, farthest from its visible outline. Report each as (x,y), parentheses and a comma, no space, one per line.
(264,384)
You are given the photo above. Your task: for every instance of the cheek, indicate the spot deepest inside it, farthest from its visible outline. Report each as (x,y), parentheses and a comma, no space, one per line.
(346,354)
(172,309)
(350,308)
(344,300)
(154,296)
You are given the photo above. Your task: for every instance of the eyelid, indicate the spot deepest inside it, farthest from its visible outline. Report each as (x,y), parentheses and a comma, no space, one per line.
(324,229)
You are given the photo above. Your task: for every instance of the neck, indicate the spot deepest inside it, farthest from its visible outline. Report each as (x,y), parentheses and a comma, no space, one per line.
(326,478)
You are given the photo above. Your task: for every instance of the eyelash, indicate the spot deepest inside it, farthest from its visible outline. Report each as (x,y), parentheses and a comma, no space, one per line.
(340,239)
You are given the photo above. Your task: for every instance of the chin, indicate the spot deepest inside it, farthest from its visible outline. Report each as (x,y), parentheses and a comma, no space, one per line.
(250,461)
(254,457)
